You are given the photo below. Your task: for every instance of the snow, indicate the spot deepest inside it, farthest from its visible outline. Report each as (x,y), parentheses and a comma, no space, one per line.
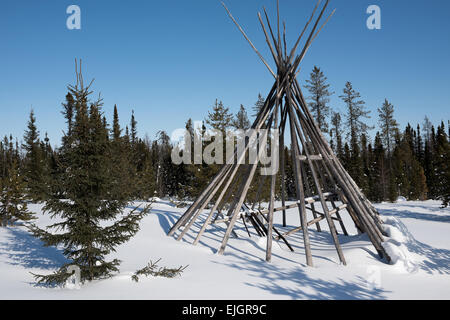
(418,242)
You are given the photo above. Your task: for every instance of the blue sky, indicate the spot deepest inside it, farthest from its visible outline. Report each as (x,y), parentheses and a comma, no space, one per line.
(170,60)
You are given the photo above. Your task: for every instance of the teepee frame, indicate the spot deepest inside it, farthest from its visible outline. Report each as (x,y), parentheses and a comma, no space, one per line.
(316,168)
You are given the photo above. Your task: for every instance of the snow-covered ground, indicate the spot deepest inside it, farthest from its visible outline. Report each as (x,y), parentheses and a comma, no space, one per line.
(419,245)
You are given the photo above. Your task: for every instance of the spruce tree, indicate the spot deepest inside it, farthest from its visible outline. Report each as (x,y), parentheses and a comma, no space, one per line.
(91,198)
(356,111)
(163,148)
(430,167)
(419,146)
(133,126)
(442,165)
(409,176)
(241,120)
(220,118)
(123,160)
(117,132)
(13,199)
(427,128)
(33,161)
(357,128)
(259,104)
(319,98)
(336,133)
(68,112)
(379,177)
(356,169)
(388,124)
(366,177)
(346,158)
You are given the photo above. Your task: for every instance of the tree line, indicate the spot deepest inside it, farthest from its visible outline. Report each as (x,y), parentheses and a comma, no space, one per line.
(413,162)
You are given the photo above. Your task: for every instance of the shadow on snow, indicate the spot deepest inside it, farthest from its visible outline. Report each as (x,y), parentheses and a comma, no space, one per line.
(23,249)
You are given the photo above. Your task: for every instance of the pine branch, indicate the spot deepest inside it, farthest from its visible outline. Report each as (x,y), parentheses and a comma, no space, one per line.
(152,269)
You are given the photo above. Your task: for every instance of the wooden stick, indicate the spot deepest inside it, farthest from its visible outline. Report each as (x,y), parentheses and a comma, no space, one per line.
(310,223)
(308,190)
(278,24)
(300,57)
(249,41)
(299,185)
(294,48)
(272,193)
(256,226)
(284,40)
(283,177)
(245,225)
(273,36)
(275,57)
(280,236)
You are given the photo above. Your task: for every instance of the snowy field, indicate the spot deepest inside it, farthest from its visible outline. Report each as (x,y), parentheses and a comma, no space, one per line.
(419,244)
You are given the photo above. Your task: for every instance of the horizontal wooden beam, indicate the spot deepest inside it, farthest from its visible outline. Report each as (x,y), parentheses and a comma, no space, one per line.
(314,221)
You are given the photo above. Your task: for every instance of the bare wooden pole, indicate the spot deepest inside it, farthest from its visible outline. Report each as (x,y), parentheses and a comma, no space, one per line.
(308,43)
(279,235)
(274,55)
(272,191)
(278,24)
(256,226)
(284,40)
(299,185)
(272,35)
(309,193)
(283,177)
(246,228)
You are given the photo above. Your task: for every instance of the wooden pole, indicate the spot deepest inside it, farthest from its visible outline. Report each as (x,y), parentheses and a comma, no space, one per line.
(309,193)
(299,185)
(272,191)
